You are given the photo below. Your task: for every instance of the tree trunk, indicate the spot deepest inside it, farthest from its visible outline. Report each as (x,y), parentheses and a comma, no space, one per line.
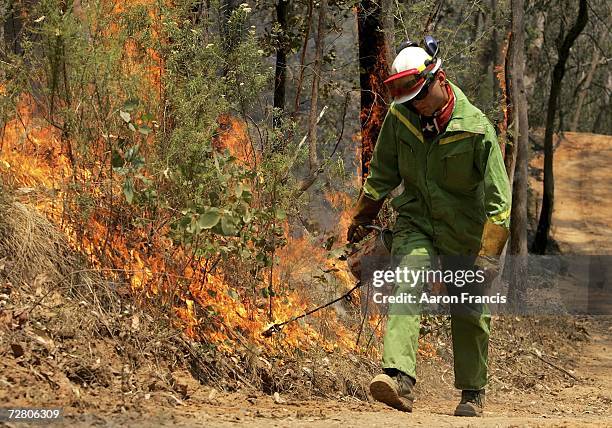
(298,91)
(3,44)
(505,83)
(388,26)
(583,91)
(517,262)
(603,117)
(485,58)
(533,53)
(280,77)
(373,68)
(432,19)
(12,28)
(495,43)
(509,151)
(542,234)
(314,99)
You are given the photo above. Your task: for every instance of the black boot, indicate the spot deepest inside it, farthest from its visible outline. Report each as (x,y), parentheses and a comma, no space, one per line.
(472,403)
(393,388)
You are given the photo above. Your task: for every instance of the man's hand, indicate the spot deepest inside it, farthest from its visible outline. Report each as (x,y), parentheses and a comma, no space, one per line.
(365,212)
(356,232)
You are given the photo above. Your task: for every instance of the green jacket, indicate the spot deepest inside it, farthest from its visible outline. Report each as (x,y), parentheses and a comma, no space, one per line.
(453,184)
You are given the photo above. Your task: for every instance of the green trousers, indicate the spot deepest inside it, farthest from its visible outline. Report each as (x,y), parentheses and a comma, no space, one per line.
(470,325)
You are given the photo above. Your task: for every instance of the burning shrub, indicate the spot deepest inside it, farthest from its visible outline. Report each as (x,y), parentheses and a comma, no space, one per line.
(121,126)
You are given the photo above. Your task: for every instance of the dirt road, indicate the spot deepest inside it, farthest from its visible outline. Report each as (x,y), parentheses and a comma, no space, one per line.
(583,193)
(586,403)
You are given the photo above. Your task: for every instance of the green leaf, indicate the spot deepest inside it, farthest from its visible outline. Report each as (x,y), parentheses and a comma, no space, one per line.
(130,105)
(131,153)
(239,189)
(228,225)
(144,129)
(280,214)
(147,181)
(209,219)
(125,116)
(232,293)
(247,217)
(193,228)
(133,158)
(184,222)
(245,253)
(247,196)
(128,190)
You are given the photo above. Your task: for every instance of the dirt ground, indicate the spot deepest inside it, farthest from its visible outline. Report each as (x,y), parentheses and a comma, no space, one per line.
(586,403)
(583,193)
(544,372)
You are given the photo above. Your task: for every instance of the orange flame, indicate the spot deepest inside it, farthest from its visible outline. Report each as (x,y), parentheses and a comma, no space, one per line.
(373,115)
(32,157)
(205,303)
(232,135)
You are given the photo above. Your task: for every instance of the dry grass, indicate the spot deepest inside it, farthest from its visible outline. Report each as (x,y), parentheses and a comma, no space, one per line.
(82,330)
(30,245)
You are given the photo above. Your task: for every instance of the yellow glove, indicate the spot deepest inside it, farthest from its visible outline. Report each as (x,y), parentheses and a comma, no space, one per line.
(492,244)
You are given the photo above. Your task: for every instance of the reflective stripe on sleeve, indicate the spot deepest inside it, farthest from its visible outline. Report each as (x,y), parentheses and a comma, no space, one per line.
(501,217)
(371,192)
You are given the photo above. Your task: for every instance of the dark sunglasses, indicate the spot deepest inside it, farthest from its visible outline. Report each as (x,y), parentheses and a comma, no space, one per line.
(425,90)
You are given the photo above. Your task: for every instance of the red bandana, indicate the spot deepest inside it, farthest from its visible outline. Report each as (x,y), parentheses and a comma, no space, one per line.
(442,116)
(435,124)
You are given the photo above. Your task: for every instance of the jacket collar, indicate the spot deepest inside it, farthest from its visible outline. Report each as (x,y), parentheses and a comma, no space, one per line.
(465,117)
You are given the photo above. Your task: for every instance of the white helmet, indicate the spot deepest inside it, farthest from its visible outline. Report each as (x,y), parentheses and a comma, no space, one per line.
(412,69)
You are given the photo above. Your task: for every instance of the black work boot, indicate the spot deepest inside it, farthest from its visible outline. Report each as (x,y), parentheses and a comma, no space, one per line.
(393,388)
(472,403)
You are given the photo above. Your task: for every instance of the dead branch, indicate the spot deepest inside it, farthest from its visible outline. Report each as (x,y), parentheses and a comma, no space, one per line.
(561,369)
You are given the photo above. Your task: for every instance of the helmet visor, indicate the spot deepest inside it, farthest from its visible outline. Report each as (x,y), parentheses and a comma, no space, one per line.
(404,85)
(407,84)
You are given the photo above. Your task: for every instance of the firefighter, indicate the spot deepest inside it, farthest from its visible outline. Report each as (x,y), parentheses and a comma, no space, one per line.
(455,202)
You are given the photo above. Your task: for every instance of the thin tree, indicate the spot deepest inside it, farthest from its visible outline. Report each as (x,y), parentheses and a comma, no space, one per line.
(13,13)
(298,91)
(388,27)
(314,99)
(605,111)
(280,76)
(517,263)
(542,234)
(595,61)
